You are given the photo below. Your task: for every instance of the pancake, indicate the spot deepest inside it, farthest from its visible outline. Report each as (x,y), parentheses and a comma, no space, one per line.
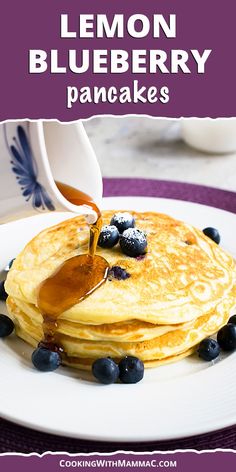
(131,330)
(84,363)
(181,291)
(167,345)
(183,275)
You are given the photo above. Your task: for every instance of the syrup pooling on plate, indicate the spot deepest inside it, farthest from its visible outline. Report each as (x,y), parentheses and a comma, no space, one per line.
(76,278)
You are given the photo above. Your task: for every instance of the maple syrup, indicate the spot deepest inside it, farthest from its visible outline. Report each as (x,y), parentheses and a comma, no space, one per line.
(76,197)
(76,278)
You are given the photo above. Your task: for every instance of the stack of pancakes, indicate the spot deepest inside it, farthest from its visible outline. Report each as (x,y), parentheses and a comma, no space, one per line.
(180,292)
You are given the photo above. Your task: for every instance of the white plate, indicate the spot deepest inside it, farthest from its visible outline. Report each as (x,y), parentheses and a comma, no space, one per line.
(182,399)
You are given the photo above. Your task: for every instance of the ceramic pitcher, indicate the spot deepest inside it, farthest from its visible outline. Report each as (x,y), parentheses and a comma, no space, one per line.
(35,154)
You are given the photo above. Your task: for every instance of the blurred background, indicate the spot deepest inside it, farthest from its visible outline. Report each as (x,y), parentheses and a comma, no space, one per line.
(154,148)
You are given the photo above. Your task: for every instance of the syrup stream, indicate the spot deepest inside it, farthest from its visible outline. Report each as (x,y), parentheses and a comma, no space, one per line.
(75,279)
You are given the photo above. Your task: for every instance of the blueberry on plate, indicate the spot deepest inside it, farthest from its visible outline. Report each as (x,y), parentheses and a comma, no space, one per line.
(133,242)
(123,221)
(108,237)
(232,319)
(131,370)
(209,349)
(105,370)
(3,293)
(45,360)
(213,234)
(6,326)
(226,337)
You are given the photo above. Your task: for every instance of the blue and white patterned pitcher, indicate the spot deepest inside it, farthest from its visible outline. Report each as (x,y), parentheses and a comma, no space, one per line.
(35,154)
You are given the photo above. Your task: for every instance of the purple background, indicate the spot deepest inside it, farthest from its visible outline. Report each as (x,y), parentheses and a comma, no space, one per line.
(186,462)
(201,25)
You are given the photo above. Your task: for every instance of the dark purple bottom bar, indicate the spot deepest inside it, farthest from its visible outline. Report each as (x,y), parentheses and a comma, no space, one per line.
(181,461)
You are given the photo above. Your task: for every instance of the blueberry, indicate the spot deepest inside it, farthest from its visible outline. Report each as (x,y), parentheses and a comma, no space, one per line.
(116,272)
(208,349)
(3,293)
(226,337)
(133,242)
(105,370)
(213,234)
(232,319)
(45,360)
(131,370)
(6,326)
(109,236)
(123,221)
